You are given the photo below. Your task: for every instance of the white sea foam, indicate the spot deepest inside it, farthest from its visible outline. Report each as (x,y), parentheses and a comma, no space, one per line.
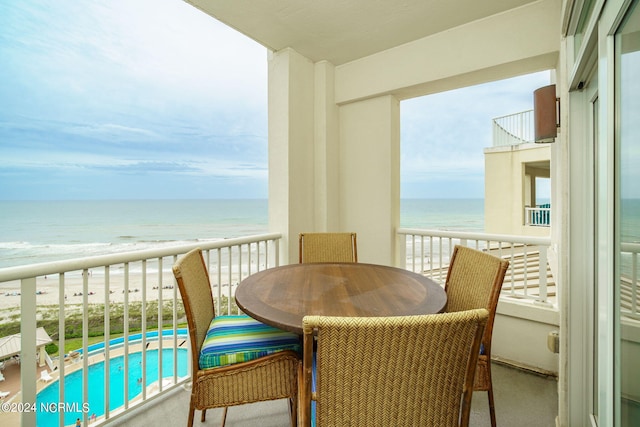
(32,232)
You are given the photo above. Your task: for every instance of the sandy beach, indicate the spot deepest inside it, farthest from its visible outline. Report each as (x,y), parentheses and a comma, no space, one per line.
(48,290)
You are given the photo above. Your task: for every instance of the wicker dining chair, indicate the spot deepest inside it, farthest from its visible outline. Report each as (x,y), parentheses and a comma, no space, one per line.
(269,377)
(327,247)
(391,371)
(474,280)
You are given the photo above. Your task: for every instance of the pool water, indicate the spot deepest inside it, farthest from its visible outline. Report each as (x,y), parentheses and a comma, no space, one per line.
(73,385)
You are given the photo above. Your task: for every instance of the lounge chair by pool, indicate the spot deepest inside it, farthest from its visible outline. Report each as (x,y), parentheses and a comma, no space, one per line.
(44,376)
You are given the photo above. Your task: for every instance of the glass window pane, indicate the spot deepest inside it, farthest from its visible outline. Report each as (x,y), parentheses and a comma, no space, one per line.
(585,15)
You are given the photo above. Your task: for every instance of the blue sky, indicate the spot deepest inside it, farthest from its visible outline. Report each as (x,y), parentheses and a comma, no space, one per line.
(131,99)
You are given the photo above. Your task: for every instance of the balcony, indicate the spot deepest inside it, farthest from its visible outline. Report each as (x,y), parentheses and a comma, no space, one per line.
(134,293)
(513,129)
(539,216)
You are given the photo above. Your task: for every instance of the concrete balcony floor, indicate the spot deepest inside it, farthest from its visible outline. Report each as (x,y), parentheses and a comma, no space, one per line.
(522,399)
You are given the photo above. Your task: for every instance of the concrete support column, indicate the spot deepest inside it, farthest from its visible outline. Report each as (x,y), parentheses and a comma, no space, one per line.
(291,148)
(327,150)
(331,168)
(370,176)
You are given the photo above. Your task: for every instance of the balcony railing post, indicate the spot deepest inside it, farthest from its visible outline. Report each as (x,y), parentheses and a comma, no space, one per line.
(107,337)
(543,273)
(634,284)
(218,280)
(143,325)
(85,340)
(28,326)
(61,343)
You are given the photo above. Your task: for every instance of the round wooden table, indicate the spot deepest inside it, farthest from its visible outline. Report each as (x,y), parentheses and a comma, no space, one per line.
(282,296)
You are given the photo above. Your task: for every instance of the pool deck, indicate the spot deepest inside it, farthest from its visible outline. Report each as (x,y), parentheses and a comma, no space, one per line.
(11,384)
(11,374)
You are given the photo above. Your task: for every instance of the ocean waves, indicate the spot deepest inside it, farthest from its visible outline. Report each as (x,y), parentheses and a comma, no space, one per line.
(16,253)
(43,231)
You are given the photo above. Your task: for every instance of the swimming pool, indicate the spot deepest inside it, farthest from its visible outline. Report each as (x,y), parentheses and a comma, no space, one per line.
(73,385)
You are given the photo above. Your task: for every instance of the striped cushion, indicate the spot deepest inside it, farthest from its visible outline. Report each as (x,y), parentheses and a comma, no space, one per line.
(236,339)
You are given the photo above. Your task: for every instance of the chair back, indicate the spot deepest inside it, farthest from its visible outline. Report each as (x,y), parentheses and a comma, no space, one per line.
(474,280)
(191,274)
(327,247)
(392,371)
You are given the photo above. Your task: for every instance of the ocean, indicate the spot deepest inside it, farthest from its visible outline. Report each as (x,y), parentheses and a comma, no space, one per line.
(42,231)
(443,214)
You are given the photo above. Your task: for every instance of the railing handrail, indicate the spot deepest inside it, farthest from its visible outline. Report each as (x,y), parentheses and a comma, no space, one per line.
(56,267)
(633,248)
(510,238)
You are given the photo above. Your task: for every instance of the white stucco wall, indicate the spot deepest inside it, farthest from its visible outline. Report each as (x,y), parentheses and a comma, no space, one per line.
(506,185)
(291,148)
(370,157)
(520,335)
(326,150)
(630,358)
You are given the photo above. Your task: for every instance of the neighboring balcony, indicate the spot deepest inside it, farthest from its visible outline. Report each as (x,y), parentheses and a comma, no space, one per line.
(518,179)
(513,129)
(130,302)
(539,216)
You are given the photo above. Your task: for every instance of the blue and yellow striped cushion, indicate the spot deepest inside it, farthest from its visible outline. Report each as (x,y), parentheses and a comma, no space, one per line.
(236,339)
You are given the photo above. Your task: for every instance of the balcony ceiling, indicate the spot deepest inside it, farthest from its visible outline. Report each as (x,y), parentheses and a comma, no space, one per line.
(341,31)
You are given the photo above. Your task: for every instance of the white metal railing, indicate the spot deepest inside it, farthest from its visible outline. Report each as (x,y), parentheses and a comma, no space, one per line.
(540,216)
(126,275)
(513,129)
(629,291)
(428,252)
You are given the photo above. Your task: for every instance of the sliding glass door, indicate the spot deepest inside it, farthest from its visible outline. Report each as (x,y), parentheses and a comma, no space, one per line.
(627,199)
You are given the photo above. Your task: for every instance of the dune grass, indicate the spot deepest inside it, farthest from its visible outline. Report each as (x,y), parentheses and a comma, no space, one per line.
(48,318)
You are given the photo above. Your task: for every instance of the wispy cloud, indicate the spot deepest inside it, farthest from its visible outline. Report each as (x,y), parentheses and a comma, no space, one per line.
(119,98)
(151,90)
(110,131)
